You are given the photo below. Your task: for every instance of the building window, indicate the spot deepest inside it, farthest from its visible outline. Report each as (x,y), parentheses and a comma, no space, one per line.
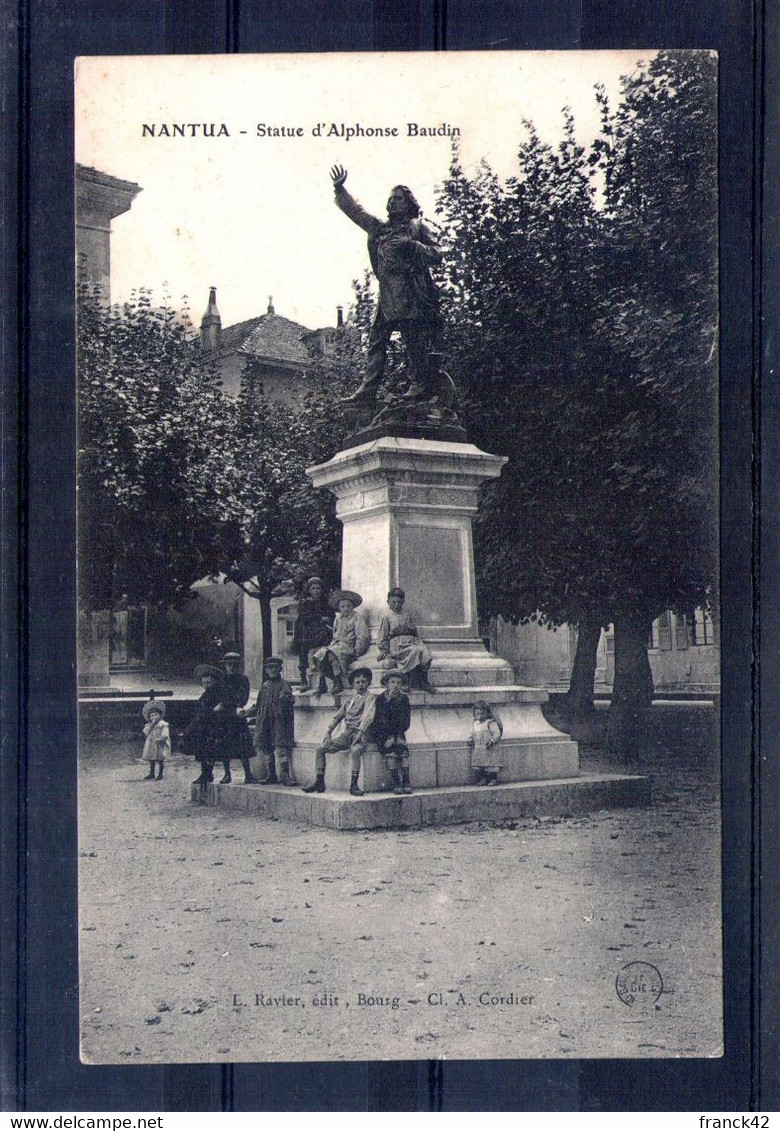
(609,640)
(661,633)
(701,628)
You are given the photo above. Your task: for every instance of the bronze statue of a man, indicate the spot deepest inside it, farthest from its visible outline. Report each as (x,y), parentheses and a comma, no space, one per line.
(402,250)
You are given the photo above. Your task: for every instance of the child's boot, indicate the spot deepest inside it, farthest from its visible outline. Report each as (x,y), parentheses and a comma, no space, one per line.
(269,777)
(423,681)
(249,777)
(491,778)
(286,776)
(406,786)
(317,786)
(354,788)
(160,770)
(150,775)
(395,781)
(322,686)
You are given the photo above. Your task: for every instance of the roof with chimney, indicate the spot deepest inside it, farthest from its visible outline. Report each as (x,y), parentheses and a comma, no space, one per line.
(270,338)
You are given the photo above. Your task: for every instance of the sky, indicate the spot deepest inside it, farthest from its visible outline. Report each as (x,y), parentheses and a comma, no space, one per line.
(253,214)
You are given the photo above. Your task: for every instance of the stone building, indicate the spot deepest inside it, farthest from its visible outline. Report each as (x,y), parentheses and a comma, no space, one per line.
(281,351)
(100,198)
(109,635)
(684,653)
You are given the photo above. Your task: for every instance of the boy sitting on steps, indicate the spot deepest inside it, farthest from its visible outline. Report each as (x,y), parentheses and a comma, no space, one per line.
(356,715)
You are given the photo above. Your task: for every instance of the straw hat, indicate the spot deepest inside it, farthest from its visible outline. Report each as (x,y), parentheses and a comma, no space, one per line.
(385,677)
(337,595)
(208,669)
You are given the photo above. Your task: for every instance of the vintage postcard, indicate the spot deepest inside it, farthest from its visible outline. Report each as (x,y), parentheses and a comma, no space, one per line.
(398,489)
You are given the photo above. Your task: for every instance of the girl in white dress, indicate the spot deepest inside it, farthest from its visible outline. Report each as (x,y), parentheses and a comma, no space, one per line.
(483,740)
(157,746)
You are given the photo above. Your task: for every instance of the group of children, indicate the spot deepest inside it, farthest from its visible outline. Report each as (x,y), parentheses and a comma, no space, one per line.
(219,730)
(332,643)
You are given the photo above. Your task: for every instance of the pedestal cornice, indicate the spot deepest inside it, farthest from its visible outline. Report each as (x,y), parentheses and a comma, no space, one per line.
(412,475)
(436,460)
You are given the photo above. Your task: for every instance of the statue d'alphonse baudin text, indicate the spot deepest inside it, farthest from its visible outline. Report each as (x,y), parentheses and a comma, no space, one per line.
(402,250)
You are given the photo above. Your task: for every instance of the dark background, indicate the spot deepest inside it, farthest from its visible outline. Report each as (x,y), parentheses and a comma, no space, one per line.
(40,1067)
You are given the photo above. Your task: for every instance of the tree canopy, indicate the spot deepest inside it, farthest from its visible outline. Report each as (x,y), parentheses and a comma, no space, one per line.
(150,415)
(581,297)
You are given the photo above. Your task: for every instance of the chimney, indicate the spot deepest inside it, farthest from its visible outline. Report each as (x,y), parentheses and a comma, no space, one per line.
(211,326)
(339,316)
(271,305)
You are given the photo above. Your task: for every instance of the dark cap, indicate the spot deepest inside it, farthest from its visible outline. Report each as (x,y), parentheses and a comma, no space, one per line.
(351,676)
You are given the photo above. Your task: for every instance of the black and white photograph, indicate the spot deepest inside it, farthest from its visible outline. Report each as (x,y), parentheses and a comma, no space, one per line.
(398,563)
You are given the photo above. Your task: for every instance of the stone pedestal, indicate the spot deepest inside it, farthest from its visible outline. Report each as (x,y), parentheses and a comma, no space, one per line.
(530,749)
(407,504)
(407,507)
(448,805)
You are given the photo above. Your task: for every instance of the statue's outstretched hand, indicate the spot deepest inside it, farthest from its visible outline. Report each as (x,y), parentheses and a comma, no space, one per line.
(338,175)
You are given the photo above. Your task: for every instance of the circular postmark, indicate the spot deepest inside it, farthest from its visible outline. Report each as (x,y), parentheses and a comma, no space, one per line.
(639,983)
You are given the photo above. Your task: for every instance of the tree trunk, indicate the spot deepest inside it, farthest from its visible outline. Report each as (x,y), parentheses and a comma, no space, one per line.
(632,691)
(265,615)
(579,698)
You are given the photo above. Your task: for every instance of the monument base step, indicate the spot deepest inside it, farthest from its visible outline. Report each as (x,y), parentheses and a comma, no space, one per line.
(562,797)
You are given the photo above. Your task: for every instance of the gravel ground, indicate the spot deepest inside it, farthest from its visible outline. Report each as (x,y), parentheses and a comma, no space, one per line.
(208,935)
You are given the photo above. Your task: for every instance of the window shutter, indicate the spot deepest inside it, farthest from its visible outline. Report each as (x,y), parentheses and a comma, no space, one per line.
(664,632)
(680,632)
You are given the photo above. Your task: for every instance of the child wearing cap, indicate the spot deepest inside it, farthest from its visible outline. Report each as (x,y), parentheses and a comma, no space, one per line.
(350,640)
(484,738)
(275,725)
(313,627)
(354,718)
(157,746)
(393,715)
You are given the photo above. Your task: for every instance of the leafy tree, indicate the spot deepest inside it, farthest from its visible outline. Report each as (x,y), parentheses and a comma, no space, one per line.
(150,412)
(582,321)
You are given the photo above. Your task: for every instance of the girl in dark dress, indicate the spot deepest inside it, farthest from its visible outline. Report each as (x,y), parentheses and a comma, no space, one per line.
(204,738)
(238,741)
(275,726)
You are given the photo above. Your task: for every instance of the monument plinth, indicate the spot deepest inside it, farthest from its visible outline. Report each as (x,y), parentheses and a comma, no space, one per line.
(407,507)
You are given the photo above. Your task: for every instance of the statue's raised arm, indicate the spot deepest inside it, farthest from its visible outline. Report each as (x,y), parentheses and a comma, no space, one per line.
(338,175)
